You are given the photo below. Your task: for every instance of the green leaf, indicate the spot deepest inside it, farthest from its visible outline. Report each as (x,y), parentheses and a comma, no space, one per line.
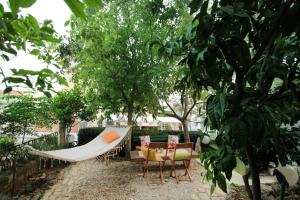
(34,24)
(19,27)
(24,72)
(28,83)
(50,38)
(35,52)
(62,80)
(76,7)
(47,71)
(241,14)
(220,107)
(240,51)
(7,90)
(240,132)
(228,9)
(1,10)
(222,182)
(10,50)
(94,3)
(48,94)
(14,6)
(26,3)
(195,5)
(200,55)
(212,188)
(67,23)
(14,80)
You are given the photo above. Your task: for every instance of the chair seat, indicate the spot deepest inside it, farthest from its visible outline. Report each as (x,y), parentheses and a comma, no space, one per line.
(181,154)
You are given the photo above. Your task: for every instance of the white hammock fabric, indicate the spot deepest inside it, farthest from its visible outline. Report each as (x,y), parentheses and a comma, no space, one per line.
(94,148)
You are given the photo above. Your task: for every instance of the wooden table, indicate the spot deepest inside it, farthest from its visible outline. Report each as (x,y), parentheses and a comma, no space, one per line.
(138,155)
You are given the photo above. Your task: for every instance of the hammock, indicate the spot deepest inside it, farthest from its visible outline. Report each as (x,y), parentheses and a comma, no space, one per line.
(95,148)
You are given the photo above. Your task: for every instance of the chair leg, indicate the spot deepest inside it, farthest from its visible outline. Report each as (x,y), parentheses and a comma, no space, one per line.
(174,168)
(187,165)
(161,172)
(145,169)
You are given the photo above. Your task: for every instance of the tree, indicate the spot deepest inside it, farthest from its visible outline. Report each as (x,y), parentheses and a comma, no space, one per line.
(67,107)
(174,94)
(114,62)
(23,114)
(39,39)
(247,53)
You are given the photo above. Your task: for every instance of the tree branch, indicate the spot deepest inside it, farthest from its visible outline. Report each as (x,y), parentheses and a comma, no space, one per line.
(269,36)
(191,108)
(175,114)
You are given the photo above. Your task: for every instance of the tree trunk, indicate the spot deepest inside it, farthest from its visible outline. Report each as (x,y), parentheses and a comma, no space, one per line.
(62,134)
(246,182)
(24,133)
(186,131)
(256,191)
(129,122)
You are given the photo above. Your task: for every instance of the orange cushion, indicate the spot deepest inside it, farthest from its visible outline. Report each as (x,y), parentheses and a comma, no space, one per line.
(110,136)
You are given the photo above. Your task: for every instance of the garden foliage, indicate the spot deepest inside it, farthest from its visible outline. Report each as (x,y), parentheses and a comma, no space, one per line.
(247,54)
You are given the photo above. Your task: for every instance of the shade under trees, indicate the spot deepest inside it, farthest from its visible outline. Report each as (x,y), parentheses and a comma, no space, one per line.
(247,53)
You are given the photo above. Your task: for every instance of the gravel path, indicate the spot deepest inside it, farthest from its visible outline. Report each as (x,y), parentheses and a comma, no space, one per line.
(122,180)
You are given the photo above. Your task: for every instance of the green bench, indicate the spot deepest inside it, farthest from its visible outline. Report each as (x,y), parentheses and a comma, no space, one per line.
(153,138)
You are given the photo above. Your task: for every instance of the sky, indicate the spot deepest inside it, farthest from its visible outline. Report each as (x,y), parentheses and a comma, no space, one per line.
(55,10)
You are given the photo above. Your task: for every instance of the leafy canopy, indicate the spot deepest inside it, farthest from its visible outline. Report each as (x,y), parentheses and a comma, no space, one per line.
(24,113)
(114,61)
(247,53)
(25,33)
(67,106)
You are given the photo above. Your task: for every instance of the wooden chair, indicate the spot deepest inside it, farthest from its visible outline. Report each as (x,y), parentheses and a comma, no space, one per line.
(154,155)
(182,152)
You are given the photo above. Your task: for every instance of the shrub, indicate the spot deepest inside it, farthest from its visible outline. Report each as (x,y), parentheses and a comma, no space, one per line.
(86,135)
(6,142)
(4,197)
(48,143)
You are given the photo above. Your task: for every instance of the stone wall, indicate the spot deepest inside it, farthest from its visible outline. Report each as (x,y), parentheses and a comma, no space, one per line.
(23,173)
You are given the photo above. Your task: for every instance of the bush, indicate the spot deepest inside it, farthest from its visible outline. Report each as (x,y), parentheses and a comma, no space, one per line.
(6,142)
(48,143)
(4,197)
(87,134)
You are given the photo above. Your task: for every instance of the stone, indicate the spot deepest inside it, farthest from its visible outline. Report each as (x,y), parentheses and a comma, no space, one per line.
(43,176)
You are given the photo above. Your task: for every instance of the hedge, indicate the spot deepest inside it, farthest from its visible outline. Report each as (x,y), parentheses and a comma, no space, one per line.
(87,134)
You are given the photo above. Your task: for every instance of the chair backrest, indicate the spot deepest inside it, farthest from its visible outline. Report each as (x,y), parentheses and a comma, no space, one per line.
(186,145)
(185,149)
(158,145)
(153,150)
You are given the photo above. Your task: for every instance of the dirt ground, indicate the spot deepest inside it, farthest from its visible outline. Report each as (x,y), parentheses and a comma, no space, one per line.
(123,180)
